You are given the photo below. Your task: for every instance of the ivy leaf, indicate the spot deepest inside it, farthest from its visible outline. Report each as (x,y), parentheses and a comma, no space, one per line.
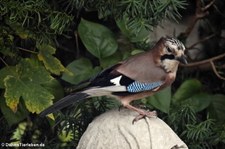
(187,89)
(82,69)
(198,101)
(26,82)
(51,63)
(216,109)
(98,39)
(115,58)
(161,100)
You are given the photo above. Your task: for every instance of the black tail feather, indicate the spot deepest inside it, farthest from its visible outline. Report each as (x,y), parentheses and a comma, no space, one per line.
(64,102)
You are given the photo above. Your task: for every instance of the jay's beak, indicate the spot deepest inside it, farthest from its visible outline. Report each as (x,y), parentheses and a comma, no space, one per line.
(182,59)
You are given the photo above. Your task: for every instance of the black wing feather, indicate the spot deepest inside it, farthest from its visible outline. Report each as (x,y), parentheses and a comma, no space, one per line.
(64,102)
(104,77)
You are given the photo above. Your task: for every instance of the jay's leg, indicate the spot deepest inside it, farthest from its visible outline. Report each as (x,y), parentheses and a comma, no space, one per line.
(125,100)
(142,113)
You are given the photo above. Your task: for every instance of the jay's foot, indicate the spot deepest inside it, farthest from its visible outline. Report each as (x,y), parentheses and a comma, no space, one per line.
(120,107)
(144,114)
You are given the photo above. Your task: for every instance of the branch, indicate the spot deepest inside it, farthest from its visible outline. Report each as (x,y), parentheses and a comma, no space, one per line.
(215,71)
(217,9)
(209,5)
(200,41)
(204,61)
(207,62)
(4,62)
(200,12)
(77,44)
(26,50)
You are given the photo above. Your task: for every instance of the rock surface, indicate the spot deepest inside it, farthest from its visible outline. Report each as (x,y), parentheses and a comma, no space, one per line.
(114,130)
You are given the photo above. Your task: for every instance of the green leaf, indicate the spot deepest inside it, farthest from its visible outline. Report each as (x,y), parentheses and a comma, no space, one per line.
(187,89)
(98,39)
(20,31)
(216,109)
(136,51)
(19,132)
(10,116)
(4,72)
(51,63)
(107,62)
(55,88)
(198,101)
(82,69)
(161,100)
(66,136)
(27,82)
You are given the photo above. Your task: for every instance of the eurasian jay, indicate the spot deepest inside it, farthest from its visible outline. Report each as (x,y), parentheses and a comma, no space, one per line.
(137,77)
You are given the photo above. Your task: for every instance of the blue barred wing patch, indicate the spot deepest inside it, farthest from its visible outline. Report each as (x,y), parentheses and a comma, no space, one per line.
(139,87)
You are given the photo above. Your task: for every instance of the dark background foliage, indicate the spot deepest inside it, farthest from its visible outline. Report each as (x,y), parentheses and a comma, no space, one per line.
(48,47)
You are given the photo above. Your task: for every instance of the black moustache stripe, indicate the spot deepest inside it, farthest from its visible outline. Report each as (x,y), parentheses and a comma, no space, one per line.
(167,56)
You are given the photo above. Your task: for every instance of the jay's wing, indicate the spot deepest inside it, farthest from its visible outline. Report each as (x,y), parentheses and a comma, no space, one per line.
(135,75)
(143,67)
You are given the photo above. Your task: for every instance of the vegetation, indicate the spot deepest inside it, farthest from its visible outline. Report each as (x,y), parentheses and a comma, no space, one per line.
(48,47)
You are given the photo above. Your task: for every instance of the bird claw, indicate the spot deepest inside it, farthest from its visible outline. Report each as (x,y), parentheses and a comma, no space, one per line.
(148,114)
(120,107)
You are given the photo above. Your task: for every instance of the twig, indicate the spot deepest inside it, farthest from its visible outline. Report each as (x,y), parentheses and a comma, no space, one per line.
(4,61)
(77,44)
(76,33)
(216,8)
(26,50)
(215,71)
(208,61)
(200,41)
(204,61)
(209,5)
(199,13)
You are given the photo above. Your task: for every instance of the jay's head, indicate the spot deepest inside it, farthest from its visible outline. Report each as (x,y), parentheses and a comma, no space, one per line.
(172,54)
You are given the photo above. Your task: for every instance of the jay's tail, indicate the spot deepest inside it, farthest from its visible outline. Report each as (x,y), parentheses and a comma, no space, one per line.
(79,96)
(64,102)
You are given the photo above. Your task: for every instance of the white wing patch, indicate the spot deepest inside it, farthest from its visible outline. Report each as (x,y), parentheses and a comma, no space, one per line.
(116,81)
(95,91)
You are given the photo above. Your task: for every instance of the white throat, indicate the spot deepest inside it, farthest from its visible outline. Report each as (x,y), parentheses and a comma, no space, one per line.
(170,65)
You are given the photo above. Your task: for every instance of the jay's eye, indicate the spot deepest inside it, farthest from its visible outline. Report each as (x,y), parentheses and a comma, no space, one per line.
(168,49)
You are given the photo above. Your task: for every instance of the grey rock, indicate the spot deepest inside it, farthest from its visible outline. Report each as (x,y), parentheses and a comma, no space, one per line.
(114,130)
